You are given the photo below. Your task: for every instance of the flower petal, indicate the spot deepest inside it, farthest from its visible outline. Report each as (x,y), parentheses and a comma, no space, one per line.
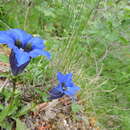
(60,77)
(64,78)
(21,56)
(20,35)
(37,43)
(56,92)
(13,64)
(59,88)
(38,52)
(69,83)
(68,77)
(6,39)
(71,91)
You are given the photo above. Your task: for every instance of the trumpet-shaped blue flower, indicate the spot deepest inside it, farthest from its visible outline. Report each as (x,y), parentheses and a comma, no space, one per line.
(64,87)
(24,47)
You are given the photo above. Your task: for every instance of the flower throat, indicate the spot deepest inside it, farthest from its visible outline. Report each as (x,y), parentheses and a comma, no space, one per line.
(26,48)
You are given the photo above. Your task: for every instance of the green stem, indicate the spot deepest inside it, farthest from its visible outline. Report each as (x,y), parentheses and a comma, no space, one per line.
(13,80)
(14,84)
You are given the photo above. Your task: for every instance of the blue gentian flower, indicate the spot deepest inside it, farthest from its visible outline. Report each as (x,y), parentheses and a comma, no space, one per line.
(23,46)
(64,87)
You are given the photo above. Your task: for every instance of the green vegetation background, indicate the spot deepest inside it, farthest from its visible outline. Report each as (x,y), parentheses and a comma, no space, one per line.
(90,38)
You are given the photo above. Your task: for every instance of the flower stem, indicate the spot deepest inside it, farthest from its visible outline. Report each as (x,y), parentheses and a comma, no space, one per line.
(13,80)
(14,84)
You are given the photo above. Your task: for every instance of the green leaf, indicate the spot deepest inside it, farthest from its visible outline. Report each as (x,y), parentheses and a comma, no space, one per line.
(75,107)
(10,109)
(124,40)
(25,109)
(6,125)
(1,107)
(49,13)
(20,125)
(6,93)
(4,114)
(42,94)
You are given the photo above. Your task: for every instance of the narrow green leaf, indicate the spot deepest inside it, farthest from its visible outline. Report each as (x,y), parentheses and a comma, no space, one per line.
(25,109)
(20,125)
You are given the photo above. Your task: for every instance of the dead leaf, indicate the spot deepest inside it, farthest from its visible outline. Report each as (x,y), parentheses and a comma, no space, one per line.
(5,50)
(4,67)
(92,122)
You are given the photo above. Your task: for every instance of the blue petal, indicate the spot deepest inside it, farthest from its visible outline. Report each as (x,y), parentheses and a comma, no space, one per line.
(64,78)
(68,77)
(21,56)
(69,83)
(38,52)
(56,92)
(18,34)
(71,91)
(36,43)
(59,88)
(60,77)
(13,64)
(6,39)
